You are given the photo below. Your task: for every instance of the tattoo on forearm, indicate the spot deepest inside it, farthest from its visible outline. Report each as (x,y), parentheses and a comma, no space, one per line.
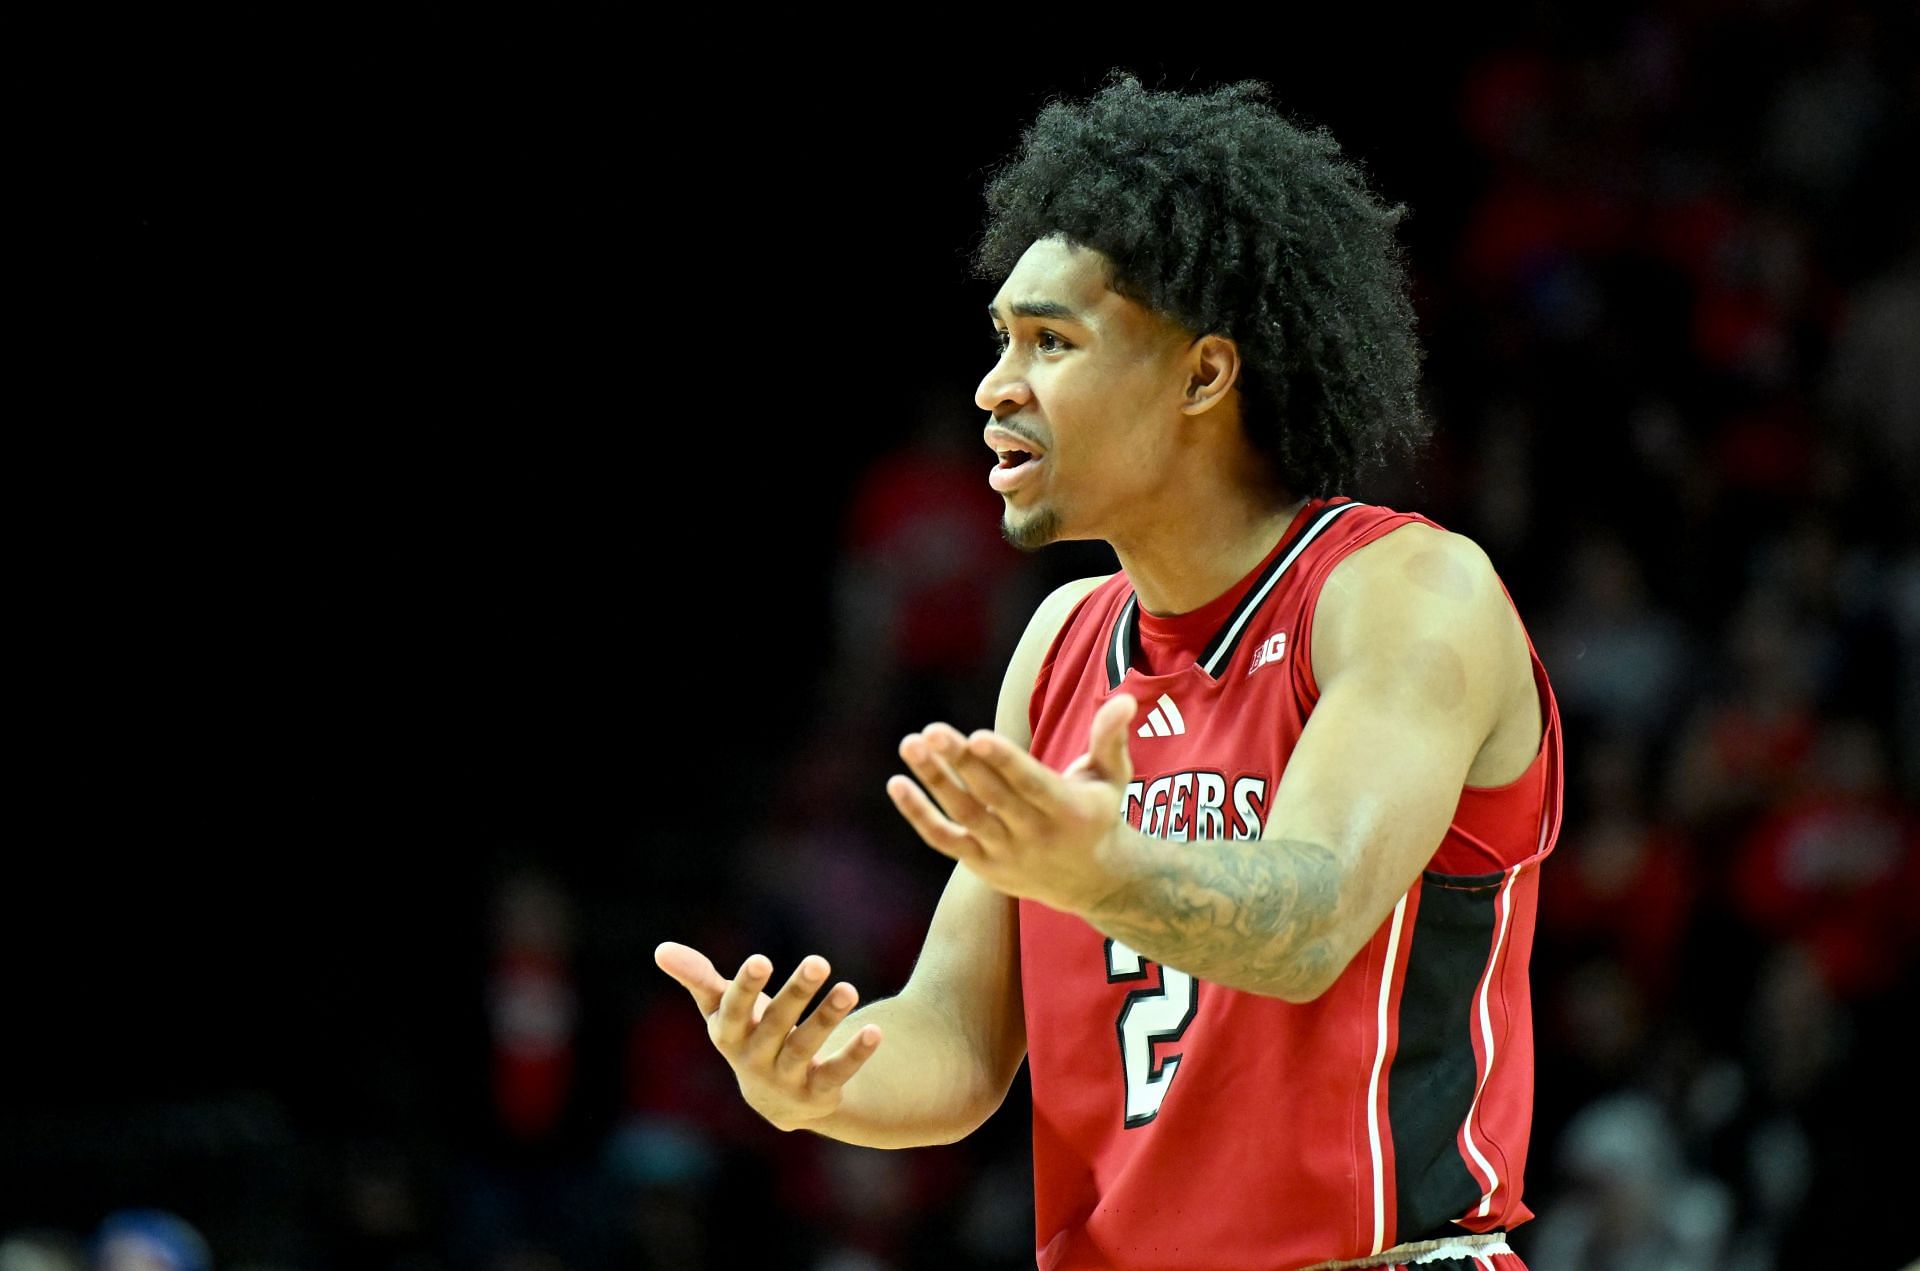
(1247,915)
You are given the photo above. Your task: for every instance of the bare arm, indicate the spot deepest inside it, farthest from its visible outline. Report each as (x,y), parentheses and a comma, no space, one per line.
(1246,915)
(933,1082)
(962,1003)
(1406,648)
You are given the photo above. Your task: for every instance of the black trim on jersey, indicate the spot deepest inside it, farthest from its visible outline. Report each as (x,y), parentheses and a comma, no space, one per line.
(1106,952)
(1470,881)
(1126,635)
(1123,644)
(1220,651)
(1430,1086)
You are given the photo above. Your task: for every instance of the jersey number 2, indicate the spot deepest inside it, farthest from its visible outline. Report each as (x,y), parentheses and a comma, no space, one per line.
(1149,1015)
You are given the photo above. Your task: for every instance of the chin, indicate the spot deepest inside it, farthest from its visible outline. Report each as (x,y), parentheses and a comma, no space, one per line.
(1031,532)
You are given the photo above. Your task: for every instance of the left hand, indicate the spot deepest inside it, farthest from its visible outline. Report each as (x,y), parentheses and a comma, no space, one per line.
(1025,829)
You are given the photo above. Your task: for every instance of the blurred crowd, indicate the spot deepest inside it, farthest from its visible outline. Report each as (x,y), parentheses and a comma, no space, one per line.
(1674,352)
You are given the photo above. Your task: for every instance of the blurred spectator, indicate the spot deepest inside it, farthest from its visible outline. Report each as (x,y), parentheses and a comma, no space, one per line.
(1872,383)
(1630,1202)
(1748,739)
(42,1251)
(530,1197)
(1625,893)
(928,591)
(532,1006)
(1833,865)
(149,1240)
(1614,656)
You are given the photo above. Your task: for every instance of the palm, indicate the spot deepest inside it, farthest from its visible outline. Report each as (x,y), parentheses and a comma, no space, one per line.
(1093,788)
(1023,828)
(1094,796)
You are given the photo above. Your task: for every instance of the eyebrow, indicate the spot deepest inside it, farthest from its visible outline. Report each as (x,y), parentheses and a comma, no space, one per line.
(1040,309)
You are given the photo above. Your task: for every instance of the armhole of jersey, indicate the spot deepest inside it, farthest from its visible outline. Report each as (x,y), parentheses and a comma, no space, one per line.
(1555,792)
(1303,650)
(1303,635)
(1053,651)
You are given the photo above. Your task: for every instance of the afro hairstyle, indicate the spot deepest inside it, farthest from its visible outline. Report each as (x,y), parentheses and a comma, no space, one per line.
(1213,210)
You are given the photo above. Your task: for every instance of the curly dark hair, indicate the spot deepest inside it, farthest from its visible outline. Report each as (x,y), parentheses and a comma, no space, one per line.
(1215,211)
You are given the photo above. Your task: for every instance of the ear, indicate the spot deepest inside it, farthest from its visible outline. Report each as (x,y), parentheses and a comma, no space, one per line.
(1212,366)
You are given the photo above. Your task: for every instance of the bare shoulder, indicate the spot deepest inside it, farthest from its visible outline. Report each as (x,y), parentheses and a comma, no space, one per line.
(1416,585)
(1010,718)
(1429,558)
(1053,611)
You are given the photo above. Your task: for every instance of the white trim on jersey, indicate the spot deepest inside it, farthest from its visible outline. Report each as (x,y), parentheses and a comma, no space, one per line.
(1252,603)
(1486,1042)
(1373,1085)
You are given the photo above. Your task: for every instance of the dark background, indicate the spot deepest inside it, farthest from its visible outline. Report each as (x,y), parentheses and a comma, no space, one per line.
(452,432)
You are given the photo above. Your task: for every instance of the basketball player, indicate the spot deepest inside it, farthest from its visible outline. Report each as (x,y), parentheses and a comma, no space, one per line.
(1246,869)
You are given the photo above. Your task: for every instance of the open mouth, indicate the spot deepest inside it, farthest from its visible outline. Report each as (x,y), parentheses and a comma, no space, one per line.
(1014,463)
(1014,469)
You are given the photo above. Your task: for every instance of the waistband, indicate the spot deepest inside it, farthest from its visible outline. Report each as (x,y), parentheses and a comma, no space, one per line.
(1452,1248)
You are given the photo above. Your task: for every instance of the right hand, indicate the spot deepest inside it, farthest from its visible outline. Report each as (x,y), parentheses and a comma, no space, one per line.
(774,1061)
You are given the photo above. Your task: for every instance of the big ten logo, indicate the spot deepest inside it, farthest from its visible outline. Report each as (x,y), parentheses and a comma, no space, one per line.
(1272,651)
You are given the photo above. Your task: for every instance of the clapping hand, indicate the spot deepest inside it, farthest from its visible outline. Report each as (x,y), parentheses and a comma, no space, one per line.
(1025,829)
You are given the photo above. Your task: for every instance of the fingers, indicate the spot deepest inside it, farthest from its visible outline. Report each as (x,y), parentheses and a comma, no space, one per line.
(832,1073)
(1020,812)
(1106,757)
(1109,741)
(796,1056)
(729,1026)
(772,1037)
(932,826)
(928,755)
(784,1010)
(695,972)
(1030,785)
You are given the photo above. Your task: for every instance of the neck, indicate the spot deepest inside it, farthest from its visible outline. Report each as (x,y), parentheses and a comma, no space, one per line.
(1180,561)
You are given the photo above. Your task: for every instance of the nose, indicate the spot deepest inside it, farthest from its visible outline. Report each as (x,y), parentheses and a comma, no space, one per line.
(1001,388)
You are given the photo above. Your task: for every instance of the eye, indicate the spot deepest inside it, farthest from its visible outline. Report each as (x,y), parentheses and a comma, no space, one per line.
(1048,342)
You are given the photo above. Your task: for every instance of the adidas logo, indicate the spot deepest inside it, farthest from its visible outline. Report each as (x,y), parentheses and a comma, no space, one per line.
(1164,720)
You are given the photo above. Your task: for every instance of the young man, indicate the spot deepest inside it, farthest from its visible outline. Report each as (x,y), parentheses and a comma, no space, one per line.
(1247,868)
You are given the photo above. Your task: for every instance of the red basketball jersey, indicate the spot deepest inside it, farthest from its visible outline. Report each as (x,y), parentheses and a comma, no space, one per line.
(1181,1124)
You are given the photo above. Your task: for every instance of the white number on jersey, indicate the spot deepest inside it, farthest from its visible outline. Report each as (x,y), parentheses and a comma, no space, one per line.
(1149,1015)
